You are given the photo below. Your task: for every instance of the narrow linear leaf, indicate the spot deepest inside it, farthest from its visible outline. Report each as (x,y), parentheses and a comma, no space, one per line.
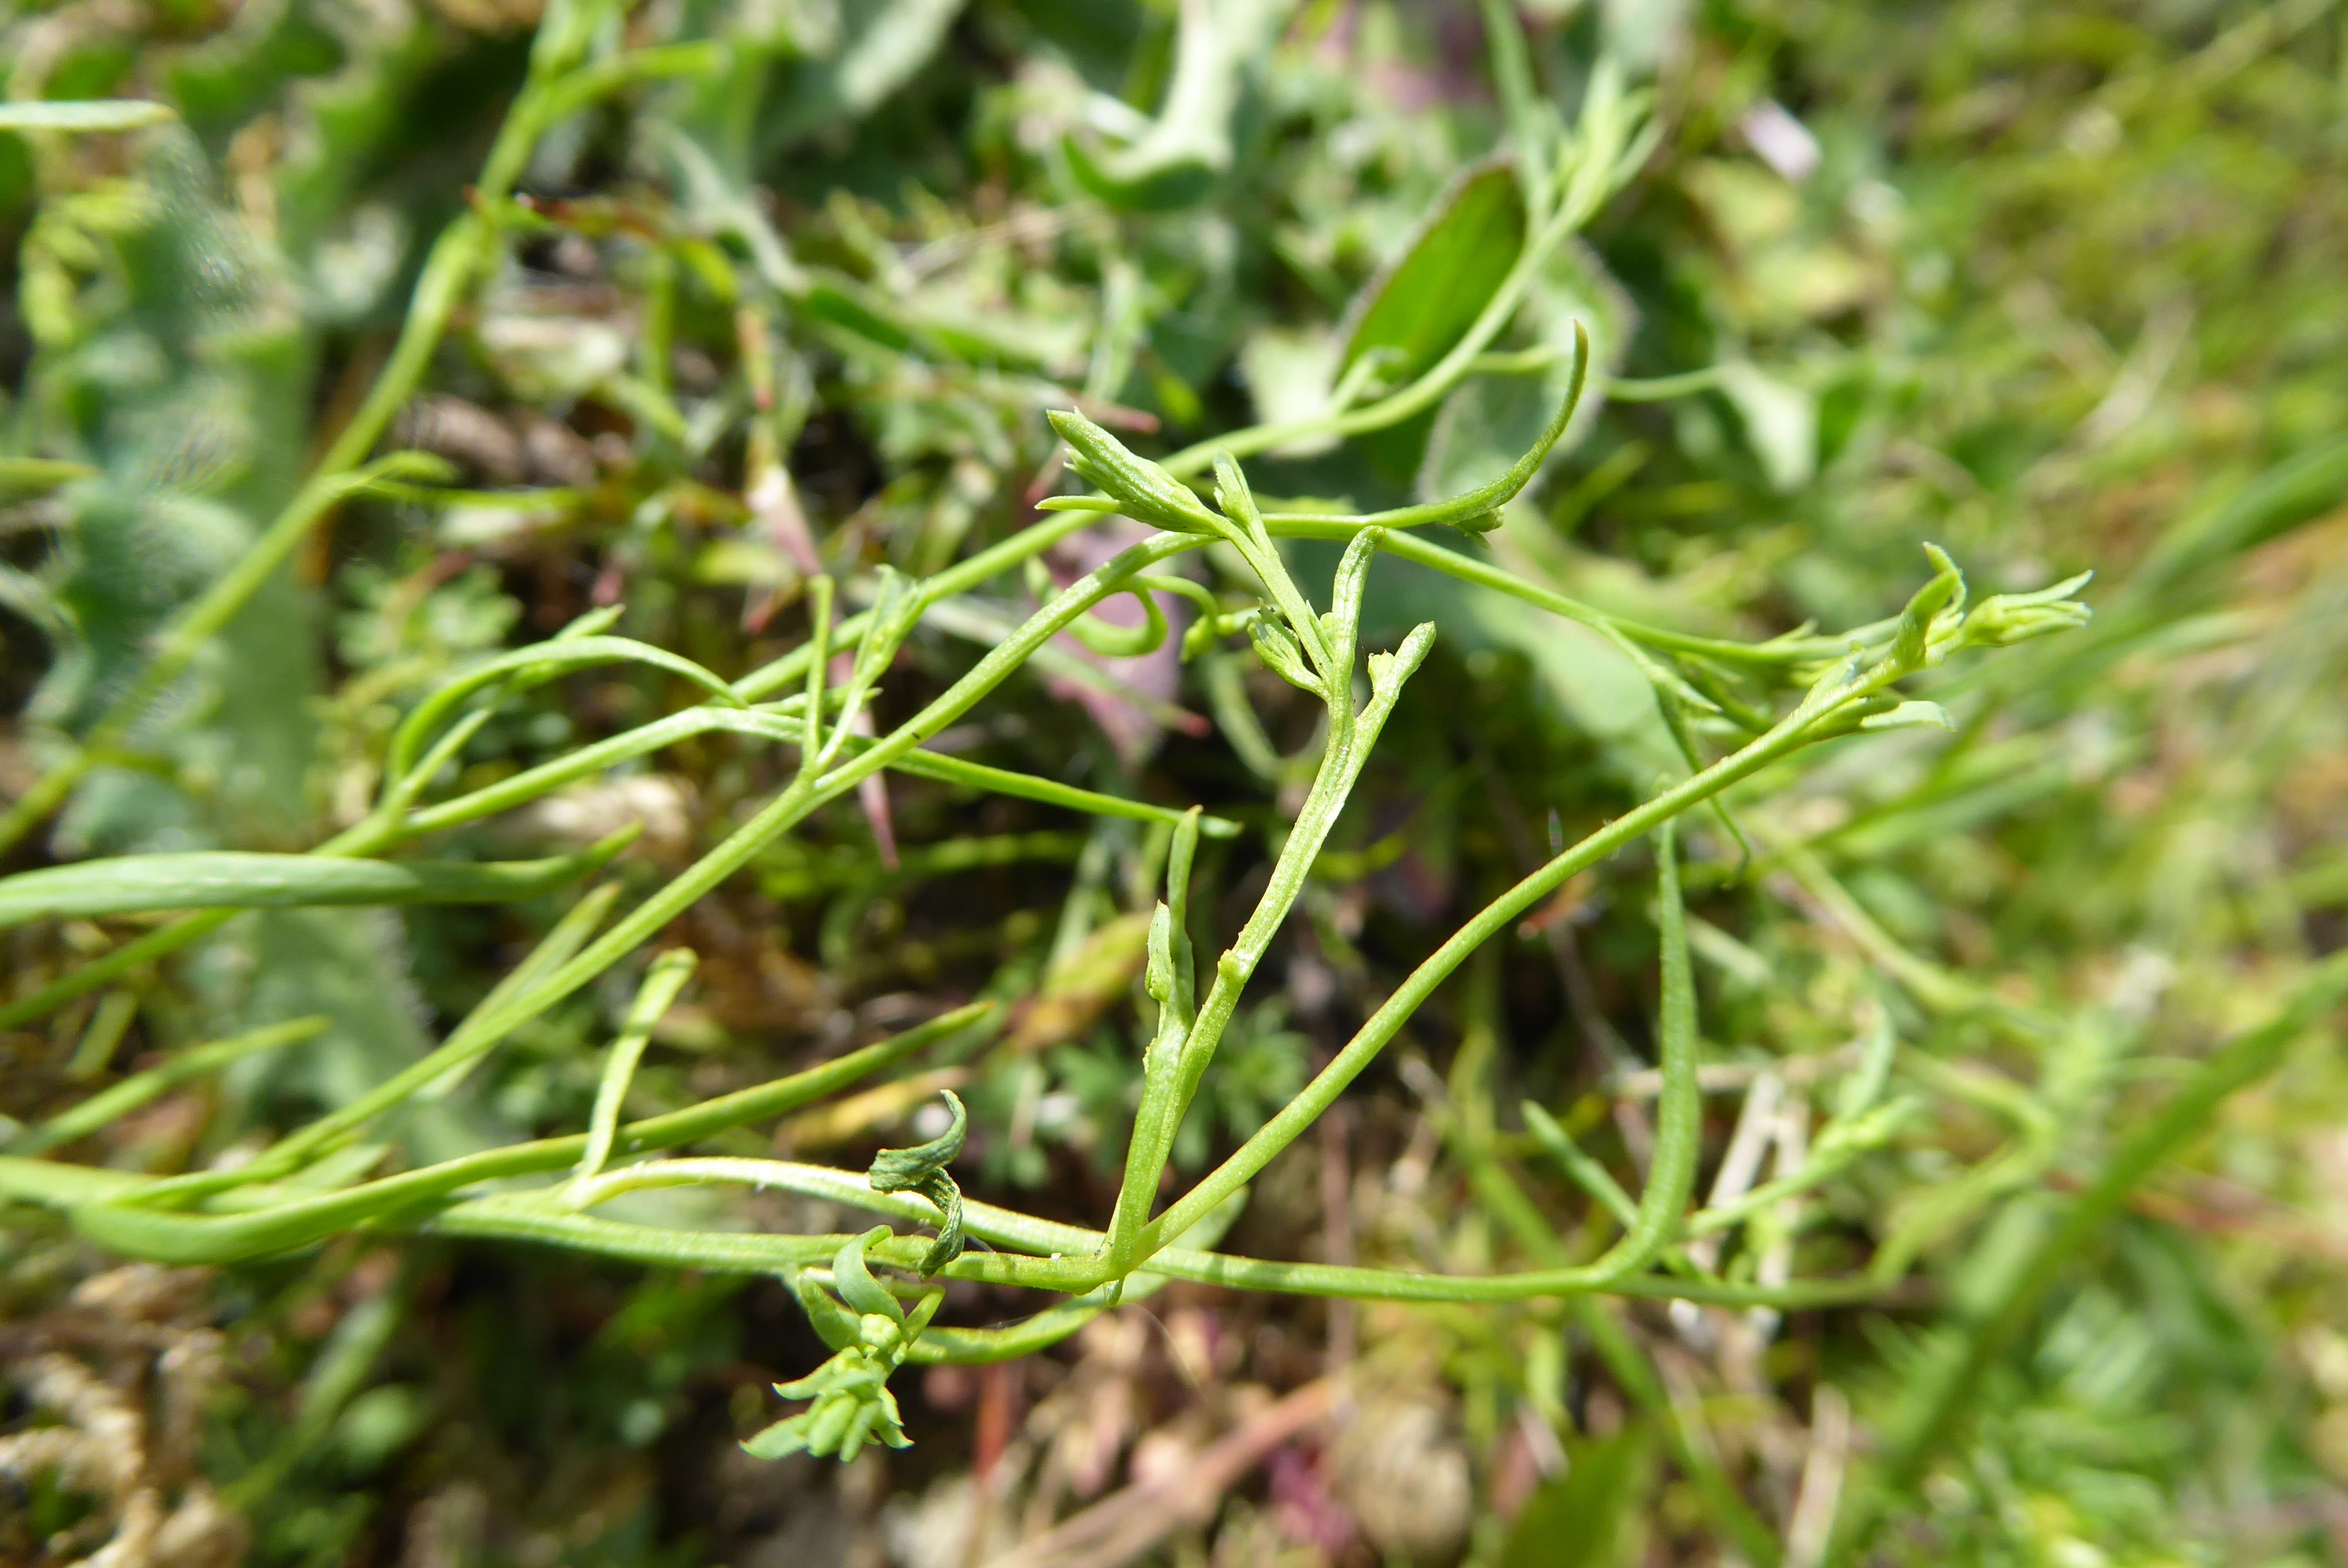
(85,115)
(139,1089)
(661,985)
(1051,792)
(21,478)
(530,666)
(1679,1133)
(222,879)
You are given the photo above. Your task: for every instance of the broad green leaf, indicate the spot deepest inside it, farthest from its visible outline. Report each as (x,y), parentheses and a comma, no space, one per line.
(1160,184)
(1490,421)
(879,46)
(1781,423)
(224,879)
(1577,1519)
(1643,34)
(1416,310)
(1291,378)
(1423,303)
(1188,148)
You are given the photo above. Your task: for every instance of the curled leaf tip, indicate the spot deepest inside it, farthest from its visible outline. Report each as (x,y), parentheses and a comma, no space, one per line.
(922,1169)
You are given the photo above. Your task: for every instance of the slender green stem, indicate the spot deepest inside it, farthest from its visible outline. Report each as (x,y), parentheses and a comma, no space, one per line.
(119,1101)
(661,985)
(1049,792)
(803,795)
(958,579)
(1950,1381)
(1679,1120)
(1789,652)
(1467,510)
(1634,1370)
(1042,1244)
(1171,978)
(529,666)
(1659,389)
(456,258)
(1648,1229)
(102,1208)
(1284,1127)
(772,722)
(1428,389)
(92,1197)
(1588,1175)
(1169,1089)
(1340,768)
(1056,1242)
(1245,533)
(817,663)
(721,1252)
(381,830)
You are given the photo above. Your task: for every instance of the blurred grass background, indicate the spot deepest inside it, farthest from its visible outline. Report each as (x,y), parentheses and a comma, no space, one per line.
(2057,286)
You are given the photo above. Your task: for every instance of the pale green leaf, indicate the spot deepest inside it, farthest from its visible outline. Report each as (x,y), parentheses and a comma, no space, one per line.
(221,879)
(85,114)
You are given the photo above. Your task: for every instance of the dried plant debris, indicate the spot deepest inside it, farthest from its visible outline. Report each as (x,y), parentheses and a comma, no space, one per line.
(1172,781)
(113,1385)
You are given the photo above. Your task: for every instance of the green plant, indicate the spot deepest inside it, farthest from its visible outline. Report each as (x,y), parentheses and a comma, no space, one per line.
(1841,687)
(1472,355)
